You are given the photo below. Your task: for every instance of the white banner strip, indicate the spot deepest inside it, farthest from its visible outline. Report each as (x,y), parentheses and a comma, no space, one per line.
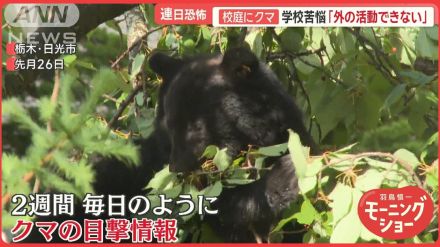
(324,16)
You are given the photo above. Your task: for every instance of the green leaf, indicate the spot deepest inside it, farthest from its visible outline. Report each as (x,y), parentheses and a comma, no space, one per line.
(210,151)
(395,95)
(297,154)
(307,214)
(164,179)
(377,164)
(324,180)
(367,108)
(317,36)
(342,162)
(9,221)
(432,176)
(346,148)
(433,140)
(267,38)
(238,181)
(118,148)
(13,108)
(348,229)
(371,179)
(173,192)
(46,109)
(418,78)
(240,159)
(66,96)
(333,108)
(255,40)
(188,45)
(303,64)
(145,122)
(222,159)
(275,150)
(194,192)
(283,222)
(413,240)
(314,167)
(366,235)
(419,107)
(291,39)
(239,176)
(341,197)
(51,180)
(370,35)
(85,65)
(213,190)
(425,46)
(408,157)
(104,81)
(139,98)
(307,184)
(204,38)
(259,162)
(81,173)
(346,41)
(408,35)
(13,170)
(138,63)
(69,59)
(432,32)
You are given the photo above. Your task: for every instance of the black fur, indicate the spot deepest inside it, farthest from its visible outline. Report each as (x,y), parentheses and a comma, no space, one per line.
(231,101)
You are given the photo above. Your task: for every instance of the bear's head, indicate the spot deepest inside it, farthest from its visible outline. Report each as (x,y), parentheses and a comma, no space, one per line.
(230,101)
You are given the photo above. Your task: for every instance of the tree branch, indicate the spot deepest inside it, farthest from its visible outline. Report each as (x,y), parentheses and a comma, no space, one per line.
(123,105)
(397,79)
(403,163)
(284,54)
(120,57)
(299,56)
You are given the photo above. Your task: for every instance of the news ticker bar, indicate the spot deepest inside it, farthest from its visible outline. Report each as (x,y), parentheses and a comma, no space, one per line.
(356,16)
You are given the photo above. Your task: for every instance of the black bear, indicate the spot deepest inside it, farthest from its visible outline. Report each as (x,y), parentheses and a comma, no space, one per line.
(230,101)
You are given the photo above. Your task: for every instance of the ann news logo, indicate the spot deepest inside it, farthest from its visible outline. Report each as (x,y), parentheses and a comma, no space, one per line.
(41,15)
(38,32)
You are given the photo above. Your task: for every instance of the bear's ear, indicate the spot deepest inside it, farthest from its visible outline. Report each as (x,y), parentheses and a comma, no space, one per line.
(164,65)
(240,62)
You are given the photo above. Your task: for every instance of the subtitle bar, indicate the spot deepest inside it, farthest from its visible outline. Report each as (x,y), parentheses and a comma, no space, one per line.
(324,16)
